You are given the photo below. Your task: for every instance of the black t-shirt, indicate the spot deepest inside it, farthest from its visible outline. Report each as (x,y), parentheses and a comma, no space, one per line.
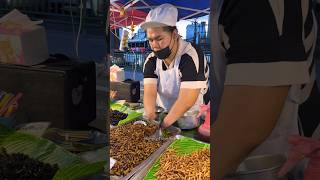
(267,42)
(265,31)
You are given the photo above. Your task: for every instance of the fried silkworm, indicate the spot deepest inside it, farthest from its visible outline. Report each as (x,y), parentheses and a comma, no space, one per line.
(193,166)
(129,146)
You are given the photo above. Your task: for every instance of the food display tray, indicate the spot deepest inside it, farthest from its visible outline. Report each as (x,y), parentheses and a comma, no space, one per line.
(142,166)
(147,173)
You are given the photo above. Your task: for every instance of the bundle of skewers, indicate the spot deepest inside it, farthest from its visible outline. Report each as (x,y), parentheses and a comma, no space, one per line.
(8,103)
(76,141)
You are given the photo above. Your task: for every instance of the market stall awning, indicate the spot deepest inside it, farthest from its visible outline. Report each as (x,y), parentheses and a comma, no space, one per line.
(120,17)
(124,13)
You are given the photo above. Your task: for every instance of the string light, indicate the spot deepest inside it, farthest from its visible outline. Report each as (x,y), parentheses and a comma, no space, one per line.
(132,26)
(122,12)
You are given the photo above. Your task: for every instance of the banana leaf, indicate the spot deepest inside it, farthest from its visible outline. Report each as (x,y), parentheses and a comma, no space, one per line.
(70,165)
(183,146)
(79,170)
(132,114)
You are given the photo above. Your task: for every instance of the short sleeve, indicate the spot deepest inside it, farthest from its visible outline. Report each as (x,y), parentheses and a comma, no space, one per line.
(149,68)
(267,47)
(193,70)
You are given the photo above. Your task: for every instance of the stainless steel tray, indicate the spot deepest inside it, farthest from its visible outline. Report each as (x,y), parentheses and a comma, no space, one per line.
(151,159)
(144,170)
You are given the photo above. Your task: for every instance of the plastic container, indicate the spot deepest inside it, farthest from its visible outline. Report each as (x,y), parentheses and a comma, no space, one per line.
(263,167)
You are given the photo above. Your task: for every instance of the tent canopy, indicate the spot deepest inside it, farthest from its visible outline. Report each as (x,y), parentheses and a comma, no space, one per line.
(137,10)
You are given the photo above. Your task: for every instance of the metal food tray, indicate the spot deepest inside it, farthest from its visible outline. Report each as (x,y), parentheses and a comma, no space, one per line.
(151,159)
(143,171)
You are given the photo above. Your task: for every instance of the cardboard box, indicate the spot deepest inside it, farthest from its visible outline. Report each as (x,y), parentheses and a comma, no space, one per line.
(23,46)
(62,93)
(127,90)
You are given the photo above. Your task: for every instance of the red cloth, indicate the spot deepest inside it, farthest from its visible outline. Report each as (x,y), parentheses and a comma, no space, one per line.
(303,147)
(205,109)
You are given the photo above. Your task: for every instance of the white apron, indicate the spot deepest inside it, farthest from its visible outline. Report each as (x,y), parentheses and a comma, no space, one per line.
(168,90)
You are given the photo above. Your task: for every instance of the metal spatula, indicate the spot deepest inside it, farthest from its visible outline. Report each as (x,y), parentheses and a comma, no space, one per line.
(160,129)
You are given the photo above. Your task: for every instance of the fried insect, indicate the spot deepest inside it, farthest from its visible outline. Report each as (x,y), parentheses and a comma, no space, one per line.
(116,116)
(21,166)
(193,166)
(130,147)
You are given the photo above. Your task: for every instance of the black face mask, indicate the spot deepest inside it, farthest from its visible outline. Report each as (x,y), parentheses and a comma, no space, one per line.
(163,53)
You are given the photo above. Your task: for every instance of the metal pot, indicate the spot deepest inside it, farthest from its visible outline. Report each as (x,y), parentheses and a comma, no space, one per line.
(264,167)
(189,121)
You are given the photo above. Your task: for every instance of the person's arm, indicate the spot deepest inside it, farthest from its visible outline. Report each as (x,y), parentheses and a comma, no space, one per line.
(149,100)
(150,82)
(193,78)
(247,116)
(186,99)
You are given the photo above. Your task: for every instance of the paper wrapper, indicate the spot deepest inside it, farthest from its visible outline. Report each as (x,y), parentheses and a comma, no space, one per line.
(22,41)
(116,74)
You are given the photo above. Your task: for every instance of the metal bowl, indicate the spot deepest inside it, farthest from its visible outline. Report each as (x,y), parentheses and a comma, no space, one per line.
(263,167)
(159,109)
(135,106)
(190,121)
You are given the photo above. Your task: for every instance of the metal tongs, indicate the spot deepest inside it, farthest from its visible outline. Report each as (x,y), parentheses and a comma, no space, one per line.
(160,116)
(160,129)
